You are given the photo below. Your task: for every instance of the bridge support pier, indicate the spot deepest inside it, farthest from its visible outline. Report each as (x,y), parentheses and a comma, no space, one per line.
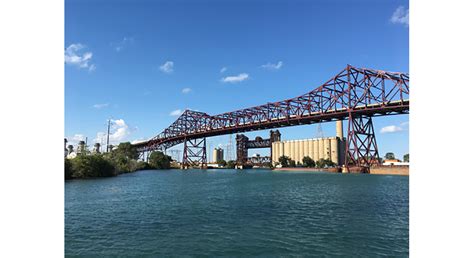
(194,154)
(361,146)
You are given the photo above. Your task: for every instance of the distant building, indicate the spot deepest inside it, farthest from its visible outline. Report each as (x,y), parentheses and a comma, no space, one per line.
(81,147)
(65,149)
(331,148)
(394,162)
(96,148)
(217,155)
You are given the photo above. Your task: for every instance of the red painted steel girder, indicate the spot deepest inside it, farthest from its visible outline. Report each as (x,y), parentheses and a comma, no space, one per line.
(359,91)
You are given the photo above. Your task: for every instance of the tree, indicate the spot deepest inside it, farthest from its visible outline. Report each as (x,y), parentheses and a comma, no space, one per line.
(92,166)
(231,164)
(159,160)
(292,163)
(308,162)
(284,161)
(126,149)
(324,163)
(222,163)
(389,155)
(67,169)
(406,157)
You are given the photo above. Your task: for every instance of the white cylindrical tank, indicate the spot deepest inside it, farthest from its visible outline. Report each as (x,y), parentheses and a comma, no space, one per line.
(334,151)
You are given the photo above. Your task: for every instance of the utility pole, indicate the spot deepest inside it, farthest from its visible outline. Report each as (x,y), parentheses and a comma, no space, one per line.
(108,132)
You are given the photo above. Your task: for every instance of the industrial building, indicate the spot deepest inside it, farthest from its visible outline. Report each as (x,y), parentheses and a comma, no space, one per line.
(217,155)
(332,148)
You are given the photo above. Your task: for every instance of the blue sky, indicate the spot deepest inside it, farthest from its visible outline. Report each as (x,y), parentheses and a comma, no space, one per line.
(141,62)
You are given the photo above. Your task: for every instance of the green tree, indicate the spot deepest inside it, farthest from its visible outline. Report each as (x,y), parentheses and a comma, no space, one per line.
(222,163)
(159,160)
(324,163)
(92,166)
(308,162)
(67,169)
(389,155)
(125,149)
(284,161)
(231,164)
(292,163)
(406,157)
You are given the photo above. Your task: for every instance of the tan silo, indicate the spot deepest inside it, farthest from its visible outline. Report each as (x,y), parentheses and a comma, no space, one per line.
(306,148)
(327,148)
(292,150)
(275,149)
(281,149)
(301,151)
(339,129)
(315,149)
(320,148)
(297,151)
(311,148)
(286,148)
(334,150)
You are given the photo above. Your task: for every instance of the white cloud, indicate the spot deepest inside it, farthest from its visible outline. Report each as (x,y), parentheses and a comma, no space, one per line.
(78,137)
(223,69)
(99,106)
(270,66)
(400,16)
(119,46)
(186,90)
(391,129)
(119,131)
(235,79)
(167,67)
(73,56)
(176,112)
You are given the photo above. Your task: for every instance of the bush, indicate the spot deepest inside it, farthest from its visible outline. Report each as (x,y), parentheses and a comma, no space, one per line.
(308,162)
(292,163)
(67,169)
(231,164)
(324,163)
(284,161)
(92,166)
(159,160)
(140,165)
(222,163)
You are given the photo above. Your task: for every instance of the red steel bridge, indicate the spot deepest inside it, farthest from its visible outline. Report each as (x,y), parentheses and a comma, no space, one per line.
(355,94)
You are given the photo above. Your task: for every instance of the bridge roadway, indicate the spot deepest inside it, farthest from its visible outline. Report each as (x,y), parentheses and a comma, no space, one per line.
(354,92)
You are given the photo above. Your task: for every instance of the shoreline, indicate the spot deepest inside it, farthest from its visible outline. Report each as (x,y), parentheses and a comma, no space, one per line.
(381,170)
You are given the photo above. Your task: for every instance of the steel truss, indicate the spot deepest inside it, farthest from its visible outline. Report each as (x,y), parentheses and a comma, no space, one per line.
(194,154)
(352,93)
(361,146)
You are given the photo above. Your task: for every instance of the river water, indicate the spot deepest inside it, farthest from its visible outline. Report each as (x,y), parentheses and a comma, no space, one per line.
(237,213)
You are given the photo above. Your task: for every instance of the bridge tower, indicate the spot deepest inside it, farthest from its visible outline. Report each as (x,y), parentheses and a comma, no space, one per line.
(361,146)
(194,154)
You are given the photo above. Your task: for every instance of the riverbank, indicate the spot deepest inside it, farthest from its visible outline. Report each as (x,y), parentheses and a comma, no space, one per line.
(381,170)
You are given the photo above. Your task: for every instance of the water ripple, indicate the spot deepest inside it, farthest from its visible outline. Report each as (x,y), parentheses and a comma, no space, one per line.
(237,213)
